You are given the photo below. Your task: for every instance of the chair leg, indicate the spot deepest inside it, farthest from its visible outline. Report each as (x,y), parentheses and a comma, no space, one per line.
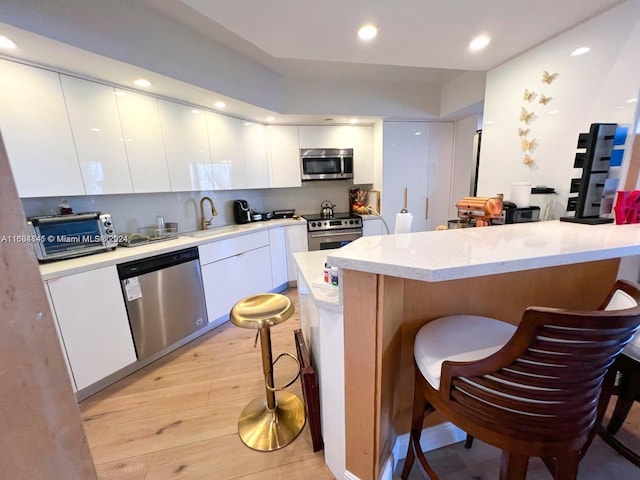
(629,390)
(421,408)
(468,443)
(567,466)
(513,467)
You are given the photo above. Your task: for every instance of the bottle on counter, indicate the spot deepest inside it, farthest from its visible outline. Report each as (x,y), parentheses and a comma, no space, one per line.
(326,272)
(334,275)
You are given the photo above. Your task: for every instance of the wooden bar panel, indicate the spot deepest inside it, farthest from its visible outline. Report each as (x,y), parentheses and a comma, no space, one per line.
(360,294)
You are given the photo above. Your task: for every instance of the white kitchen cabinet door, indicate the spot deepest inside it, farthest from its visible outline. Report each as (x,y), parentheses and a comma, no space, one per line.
(186,143)
(220,282)
(278,250)
(231,279)
(405,166)
(227,151)
(36,132)
(57,326)
(284,156)
(440,172)
(338,136)
(372,226)
(143,142)
(296,238)
(256,158)
(97,133)
(93,321)
(418,136)
(362,154)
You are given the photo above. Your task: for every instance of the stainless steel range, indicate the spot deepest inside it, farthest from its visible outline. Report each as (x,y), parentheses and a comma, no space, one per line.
(335,232)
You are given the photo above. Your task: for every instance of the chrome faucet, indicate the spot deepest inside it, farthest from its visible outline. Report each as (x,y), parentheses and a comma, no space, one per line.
(203,222)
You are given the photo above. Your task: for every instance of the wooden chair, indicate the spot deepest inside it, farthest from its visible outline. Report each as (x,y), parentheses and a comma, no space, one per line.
(627,371)
(531,390)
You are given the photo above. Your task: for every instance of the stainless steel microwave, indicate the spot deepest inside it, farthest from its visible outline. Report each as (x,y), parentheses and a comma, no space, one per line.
(56,237)
(326,164)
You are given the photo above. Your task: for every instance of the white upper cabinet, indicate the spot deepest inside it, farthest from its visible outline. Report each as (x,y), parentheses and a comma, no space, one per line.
(186,142)
(256,159)
(362,154)
(143,142)
(36,132)
(93,113)
(227,151)
(284,156)
(326,136)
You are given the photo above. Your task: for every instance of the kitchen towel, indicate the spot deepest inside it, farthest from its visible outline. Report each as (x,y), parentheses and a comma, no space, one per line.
(403,222)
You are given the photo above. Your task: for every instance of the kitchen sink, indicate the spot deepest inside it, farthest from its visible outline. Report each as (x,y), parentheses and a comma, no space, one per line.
(219,231)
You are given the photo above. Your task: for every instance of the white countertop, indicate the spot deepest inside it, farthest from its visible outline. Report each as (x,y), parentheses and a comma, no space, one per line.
(311,268)
(184,240)
(470,252)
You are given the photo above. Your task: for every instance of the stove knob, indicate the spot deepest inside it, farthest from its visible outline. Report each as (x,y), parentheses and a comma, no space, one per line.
(313,224)
(351,222)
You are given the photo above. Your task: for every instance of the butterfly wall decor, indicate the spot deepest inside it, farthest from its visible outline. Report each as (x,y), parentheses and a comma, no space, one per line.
(529,96)
(548,78)
(527,160)
(529,145)
(523,132)
(527,117)
(544,99)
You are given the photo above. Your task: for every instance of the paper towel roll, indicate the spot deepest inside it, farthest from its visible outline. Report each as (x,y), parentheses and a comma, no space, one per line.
(403,223)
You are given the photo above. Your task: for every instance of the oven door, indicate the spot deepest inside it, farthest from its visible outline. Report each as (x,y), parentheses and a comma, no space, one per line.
(332,239)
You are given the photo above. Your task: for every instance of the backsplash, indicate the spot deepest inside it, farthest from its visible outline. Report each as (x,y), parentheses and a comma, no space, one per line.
(133,211)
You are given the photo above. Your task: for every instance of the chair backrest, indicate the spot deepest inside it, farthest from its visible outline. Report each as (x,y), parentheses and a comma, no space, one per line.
(545,382)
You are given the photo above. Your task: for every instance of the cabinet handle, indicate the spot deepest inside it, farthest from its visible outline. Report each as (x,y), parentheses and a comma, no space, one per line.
(426,208)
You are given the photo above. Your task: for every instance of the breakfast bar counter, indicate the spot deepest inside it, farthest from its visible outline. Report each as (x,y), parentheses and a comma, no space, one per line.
(392,285)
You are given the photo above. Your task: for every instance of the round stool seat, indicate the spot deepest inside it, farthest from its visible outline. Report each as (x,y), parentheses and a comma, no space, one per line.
(262,310)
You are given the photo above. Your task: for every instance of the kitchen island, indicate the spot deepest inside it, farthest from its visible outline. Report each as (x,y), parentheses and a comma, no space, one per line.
(392,285)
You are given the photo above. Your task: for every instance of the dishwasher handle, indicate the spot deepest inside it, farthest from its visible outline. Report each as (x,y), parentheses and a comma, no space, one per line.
(158,262)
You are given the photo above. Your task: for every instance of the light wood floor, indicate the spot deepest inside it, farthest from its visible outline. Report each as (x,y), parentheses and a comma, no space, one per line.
(177,418)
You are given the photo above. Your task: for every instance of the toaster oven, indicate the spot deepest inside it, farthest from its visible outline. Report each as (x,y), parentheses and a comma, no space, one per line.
(56,237)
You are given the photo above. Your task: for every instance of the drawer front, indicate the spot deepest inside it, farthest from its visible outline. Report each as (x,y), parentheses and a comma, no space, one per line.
(229,247)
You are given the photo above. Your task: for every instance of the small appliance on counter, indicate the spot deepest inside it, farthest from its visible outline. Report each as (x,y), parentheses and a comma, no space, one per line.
(241,211)
(56,237)
(478,211)
(283,213)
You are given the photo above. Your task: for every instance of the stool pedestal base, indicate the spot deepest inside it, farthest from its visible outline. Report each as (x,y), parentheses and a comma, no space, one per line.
(265,431)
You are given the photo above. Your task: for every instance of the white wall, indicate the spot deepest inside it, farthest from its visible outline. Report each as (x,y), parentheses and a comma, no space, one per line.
(464,90)
(591,88)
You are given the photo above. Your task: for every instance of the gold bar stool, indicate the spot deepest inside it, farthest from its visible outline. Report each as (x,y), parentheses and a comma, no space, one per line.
(273,424)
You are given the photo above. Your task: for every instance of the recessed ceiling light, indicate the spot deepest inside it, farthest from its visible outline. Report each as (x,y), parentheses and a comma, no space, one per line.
(219,104)
(271,119)
(95,129)
(142,82)
(580,51)
(7,43)
(248,123)
(632,100)
(554,112)
(368,32)
(195,110)
(120,93)
(353,120)
(479,43)
(417,133)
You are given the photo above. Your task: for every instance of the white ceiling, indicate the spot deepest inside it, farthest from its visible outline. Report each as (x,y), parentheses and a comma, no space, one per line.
(420,41)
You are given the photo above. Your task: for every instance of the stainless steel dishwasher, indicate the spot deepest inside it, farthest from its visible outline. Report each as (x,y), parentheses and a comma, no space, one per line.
(164,299)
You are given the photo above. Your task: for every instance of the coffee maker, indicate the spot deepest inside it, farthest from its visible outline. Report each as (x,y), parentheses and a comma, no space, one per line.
(241,211)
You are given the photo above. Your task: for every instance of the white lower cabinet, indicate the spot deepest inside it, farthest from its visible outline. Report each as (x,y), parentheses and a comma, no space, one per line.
(296,238)
(244,271)
(278,251)
(93,323)
(371,226)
